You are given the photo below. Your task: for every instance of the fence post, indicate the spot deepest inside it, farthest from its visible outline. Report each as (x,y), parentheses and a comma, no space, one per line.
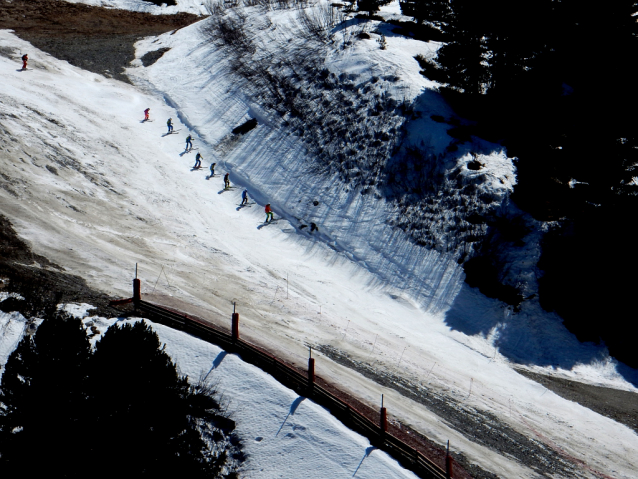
(384,418)
(311,370)
(448,463)
(235,329)
(137,292)
(235,324)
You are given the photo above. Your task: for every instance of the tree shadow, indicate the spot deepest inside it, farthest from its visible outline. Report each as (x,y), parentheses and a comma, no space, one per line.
(531,337)
(348,23)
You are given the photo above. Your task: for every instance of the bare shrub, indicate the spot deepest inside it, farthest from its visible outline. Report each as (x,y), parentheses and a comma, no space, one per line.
(320,20)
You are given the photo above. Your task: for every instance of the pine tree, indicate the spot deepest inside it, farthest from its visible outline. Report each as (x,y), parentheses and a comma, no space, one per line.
(43,394)
(140,392)
(434,11)
(71,403)
(371,6)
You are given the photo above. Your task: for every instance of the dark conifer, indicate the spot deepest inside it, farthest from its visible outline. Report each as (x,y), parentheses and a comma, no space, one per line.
(433,11)
(371,6)
(68,405)
(48,408)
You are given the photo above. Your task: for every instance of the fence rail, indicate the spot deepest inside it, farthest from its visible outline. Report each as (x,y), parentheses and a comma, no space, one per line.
(299,381)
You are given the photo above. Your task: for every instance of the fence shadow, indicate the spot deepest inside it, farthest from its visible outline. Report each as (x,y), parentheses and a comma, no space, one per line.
(293,407)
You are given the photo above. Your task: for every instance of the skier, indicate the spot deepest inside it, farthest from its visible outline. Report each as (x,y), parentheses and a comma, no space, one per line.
(227,181)
(244,197)
(169,124)
(198,161)
(25,59)
(268,213)
(212,169)
(147,112)
(189,143)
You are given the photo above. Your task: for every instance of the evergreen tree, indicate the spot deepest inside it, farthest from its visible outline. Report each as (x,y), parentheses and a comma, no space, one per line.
(44,394)
(434,11)
(371,6)
(71,403)
(553,80)
(140,392)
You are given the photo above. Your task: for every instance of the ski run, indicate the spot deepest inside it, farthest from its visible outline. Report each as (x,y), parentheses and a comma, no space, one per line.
(96,191)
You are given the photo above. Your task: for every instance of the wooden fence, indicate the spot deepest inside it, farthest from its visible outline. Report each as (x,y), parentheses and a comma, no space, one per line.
(303,382)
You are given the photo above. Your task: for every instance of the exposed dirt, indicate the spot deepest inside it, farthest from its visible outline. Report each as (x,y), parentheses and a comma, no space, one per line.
(621,406)
(96,39)
(43,284)
(482,427)
(151,57)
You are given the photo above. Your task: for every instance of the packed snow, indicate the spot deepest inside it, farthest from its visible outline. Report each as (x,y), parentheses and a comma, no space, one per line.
(95,189)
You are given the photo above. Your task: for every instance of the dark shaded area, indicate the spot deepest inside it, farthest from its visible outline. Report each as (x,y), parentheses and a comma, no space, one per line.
(371,6)
(126,391)
(589,282)
(418,31)
(534,92)
(42,283)
(483,272)
(95,39)
(621,406)
(245,127)
(160,2)
(487,269)
(151,57)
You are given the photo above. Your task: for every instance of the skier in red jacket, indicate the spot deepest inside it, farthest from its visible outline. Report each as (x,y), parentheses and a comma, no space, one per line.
(268,213)
(25,59)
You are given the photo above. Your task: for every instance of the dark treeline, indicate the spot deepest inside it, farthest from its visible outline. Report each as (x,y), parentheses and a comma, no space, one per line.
(552,81)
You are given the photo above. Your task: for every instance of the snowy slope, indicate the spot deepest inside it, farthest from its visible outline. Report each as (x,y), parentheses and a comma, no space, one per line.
(116,192)
(273,164)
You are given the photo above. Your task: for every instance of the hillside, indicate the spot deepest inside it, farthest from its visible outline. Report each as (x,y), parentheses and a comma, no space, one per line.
(96,190)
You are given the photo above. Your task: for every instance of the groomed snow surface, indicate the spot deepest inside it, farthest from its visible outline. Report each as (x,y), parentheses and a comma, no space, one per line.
(96,190)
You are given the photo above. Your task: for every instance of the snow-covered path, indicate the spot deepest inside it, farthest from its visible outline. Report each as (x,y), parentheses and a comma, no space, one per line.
(96,190)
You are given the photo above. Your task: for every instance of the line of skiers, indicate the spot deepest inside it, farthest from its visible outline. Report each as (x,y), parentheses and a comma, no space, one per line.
(198,162)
